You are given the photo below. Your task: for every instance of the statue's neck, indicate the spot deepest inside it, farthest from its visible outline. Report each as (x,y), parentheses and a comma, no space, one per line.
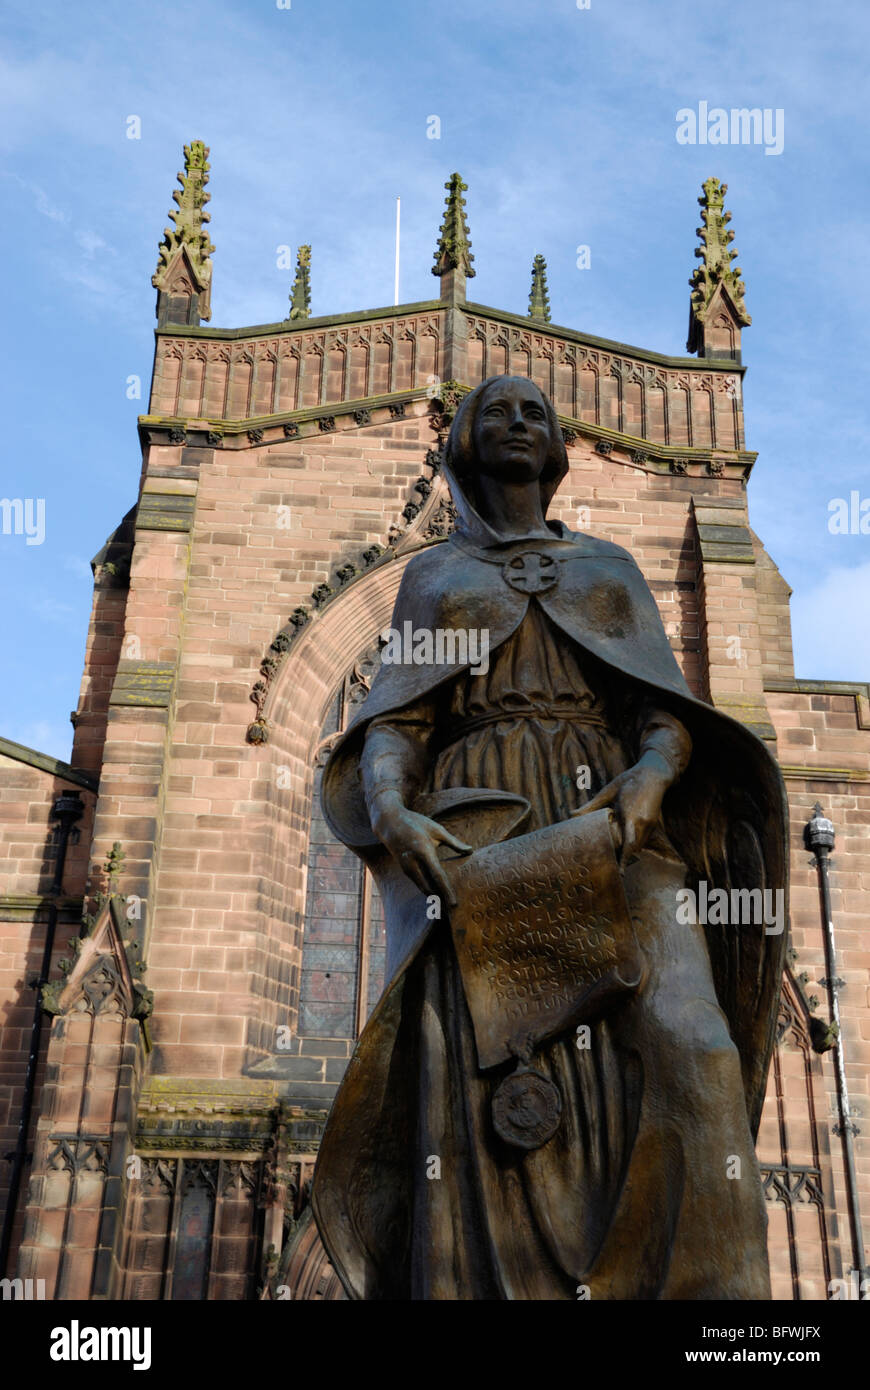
(513,510)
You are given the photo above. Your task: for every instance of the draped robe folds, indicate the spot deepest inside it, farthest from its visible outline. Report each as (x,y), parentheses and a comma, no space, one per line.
(636,1196)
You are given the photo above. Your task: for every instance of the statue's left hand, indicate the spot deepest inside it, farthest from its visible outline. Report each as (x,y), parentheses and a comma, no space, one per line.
(635,797)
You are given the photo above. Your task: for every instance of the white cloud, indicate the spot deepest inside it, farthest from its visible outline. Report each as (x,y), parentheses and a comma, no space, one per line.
(39,197)
(78,566)
(831,625)
(44,736)
(53,610)
(90,243)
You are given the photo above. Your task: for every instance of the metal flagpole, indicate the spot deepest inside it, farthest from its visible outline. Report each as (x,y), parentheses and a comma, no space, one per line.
(398,216)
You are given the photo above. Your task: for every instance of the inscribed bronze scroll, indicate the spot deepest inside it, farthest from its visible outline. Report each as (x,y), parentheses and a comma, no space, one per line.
(543,935)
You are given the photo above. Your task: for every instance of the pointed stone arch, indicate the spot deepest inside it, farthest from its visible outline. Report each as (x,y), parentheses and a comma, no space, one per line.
(297,706)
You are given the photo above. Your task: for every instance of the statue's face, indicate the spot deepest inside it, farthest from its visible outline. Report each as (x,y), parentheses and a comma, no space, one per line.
(511,431)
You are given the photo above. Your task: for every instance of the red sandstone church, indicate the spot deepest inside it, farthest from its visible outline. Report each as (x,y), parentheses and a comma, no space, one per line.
(187,955)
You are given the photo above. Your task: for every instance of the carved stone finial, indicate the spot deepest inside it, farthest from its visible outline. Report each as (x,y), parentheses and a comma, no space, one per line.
(539,300)
(114,865)
(183,275)
(819,833)
(300,295)
(716,283)
(454,243)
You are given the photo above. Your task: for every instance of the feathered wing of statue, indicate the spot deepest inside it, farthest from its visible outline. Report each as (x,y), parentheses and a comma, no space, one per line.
(647,1186)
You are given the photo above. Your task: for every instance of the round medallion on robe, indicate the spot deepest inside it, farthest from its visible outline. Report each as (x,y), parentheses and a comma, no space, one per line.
(531,572)
(526,1109)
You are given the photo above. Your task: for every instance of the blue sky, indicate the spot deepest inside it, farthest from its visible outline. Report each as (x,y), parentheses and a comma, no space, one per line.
(562,122)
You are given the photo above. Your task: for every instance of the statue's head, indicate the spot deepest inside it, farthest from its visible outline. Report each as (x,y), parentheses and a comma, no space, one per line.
(507,430)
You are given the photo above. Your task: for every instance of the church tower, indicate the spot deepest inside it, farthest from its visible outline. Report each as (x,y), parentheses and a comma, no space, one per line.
(204,953)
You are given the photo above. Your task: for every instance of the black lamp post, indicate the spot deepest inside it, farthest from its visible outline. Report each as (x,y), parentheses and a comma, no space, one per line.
(819,837)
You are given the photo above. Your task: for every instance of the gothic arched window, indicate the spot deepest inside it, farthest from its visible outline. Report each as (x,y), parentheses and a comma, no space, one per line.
(343,940)
(798,1182)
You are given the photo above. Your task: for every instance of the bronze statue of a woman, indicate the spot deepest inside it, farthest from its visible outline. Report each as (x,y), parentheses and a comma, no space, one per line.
(619,1162)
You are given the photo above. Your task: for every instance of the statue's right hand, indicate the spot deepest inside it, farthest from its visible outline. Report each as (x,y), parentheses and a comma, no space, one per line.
(413,841)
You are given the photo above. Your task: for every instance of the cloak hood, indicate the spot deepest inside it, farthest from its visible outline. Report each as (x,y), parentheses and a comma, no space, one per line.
(470,525)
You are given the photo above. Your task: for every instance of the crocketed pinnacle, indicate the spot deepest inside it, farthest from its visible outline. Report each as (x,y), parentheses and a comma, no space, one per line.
(300,295)
(454,244)
(188,239)
(539,300)
(715,254)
